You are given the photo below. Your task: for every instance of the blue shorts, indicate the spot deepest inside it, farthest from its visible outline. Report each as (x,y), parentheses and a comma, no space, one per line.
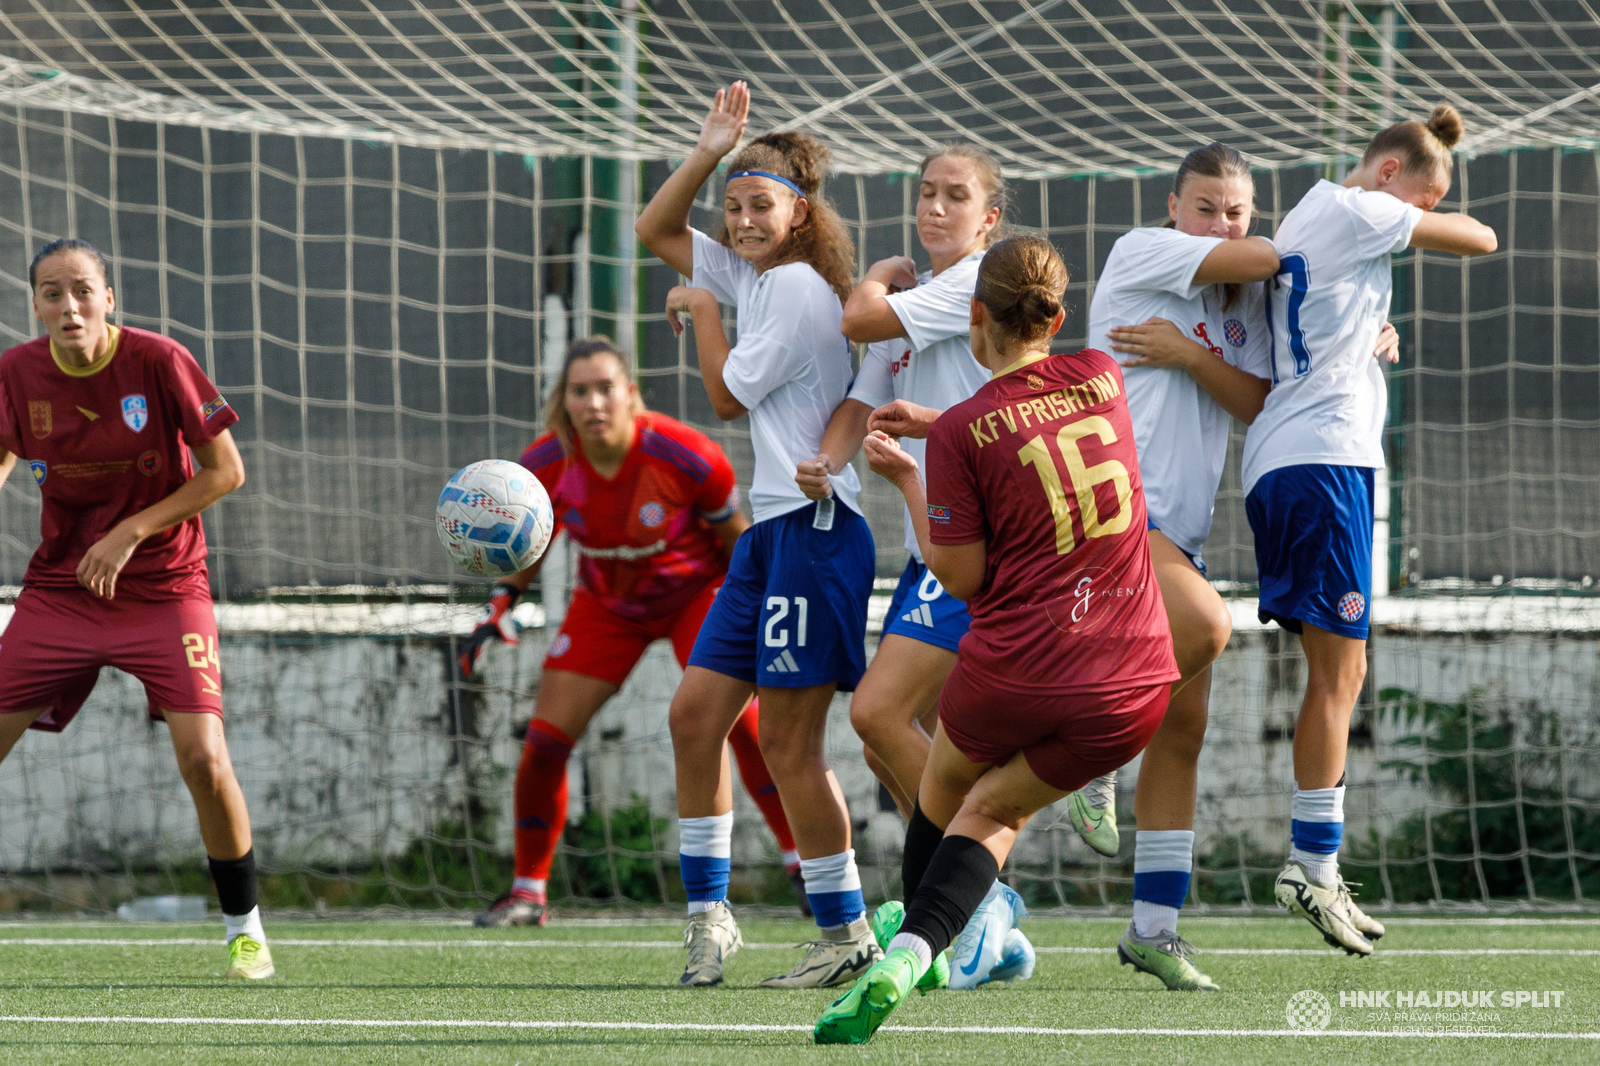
(1199,563)
(922,610)
(793,609)
(1313,529)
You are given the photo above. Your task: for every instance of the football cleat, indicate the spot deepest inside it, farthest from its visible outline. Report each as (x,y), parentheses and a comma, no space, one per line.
(886,922)
(712,937)
(1366,925)
(981,945)
(1320,905)
(1164,955)
(249,959)
(841,956)
(856,1015)
(1092,810)
(1017,960)
(514,908)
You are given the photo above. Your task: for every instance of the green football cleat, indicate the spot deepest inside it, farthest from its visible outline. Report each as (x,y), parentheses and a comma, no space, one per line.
(249,959)
(856,1015)
(1092,810)
(886,922)
(1166,957)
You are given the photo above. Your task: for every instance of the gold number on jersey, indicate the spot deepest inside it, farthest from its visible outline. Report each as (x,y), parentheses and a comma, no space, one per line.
(201,651)
(1036,454)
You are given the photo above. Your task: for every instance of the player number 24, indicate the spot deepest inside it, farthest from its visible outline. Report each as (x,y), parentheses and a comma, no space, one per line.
(1083,480)
(201,650)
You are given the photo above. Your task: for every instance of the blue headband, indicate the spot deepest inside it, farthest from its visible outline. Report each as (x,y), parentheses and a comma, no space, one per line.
(780,179)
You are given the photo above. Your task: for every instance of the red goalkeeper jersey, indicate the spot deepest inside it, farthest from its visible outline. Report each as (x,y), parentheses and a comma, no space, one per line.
(105,442)
(1040,465)
(645,535)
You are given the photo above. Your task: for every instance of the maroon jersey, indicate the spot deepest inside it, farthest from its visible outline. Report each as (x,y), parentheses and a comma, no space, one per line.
(645,534)
(105,442)
(1040,465)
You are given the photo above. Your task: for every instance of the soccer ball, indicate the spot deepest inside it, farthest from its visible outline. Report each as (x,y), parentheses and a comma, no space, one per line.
(494,518)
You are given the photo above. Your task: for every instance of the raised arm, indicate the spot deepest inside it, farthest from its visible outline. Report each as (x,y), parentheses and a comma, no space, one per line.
(1461,234)
(867,315)
(663,225)
(1238,261)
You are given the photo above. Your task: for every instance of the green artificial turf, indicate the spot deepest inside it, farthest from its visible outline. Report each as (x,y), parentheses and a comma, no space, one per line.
(591,972)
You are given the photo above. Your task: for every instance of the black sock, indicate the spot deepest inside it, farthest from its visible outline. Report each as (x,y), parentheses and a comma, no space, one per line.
(958,878)
(236,883)
(922,839)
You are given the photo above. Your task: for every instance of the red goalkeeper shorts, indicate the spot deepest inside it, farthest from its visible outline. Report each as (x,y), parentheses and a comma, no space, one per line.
(58,639)
(1068,739)
(598,644)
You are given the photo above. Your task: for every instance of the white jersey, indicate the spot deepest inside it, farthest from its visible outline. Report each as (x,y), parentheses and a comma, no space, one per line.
(790,367)
(1180,431)
(1328,304)
(932,365)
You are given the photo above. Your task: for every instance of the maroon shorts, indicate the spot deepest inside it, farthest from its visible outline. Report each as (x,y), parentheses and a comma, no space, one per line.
(58,639)
(1068,739)
(598,644)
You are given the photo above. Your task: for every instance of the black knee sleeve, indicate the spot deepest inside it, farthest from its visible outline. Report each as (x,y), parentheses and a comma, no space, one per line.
(922,839)
(236,883)
(957,879)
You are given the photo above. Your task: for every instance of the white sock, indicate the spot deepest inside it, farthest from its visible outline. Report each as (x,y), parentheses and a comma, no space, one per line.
(922,949)
(1324,869)
(696,906)
(1152,918)
(245,923)
(536,885)
(790,858)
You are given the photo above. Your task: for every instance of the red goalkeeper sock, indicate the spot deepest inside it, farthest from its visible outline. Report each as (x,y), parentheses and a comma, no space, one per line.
(541,798)
(758,780)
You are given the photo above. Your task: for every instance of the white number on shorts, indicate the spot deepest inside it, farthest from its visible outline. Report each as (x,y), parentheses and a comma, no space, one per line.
(201,650)
(930,589)
(779,605)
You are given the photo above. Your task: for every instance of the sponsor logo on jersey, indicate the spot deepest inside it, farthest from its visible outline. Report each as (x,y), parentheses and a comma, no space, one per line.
(212,406)
(39,418)
(938,513)
(1203,334)
(1035,382)
(560,646)
(1352,605)
(39,469)
(897,365)
(783,664)
(652,514)
(149,462)
(86,413)
(135,412)
(1086,599)
(1233,331)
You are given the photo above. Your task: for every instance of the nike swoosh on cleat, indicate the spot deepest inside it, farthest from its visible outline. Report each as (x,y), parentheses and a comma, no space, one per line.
(977,954)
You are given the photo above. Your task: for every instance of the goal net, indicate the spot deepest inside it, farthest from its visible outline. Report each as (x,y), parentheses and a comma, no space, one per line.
(377,226)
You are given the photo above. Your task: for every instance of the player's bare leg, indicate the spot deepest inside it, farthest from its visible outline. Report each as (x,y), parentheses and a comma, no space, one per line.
(793,729)
(12,725)
(1310,885)
(899,689)
(203,761)
(703,712)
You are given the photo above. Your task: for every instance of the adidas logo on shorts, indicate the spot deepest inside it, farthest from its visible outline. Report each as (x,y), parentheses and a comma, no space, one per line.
(921,616)
(783,664)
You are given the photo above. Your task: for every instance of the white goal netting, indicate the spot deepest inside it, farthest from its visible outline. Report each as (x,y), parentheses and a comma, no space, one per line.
(377,224)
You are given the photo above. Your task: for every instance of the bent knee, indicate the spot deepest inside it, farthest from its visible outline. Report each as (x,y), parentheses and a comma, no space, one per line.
(1202,640)
(205,771)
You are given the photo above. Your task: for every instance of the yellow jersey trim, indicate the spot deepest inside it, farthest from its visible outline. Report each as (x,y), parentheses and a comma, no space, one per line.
(1027,360)
(93,368)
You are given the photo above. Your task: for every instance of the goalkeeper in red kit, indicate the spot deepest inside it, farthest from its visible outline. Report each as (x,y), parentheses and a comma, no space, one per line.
(104,418)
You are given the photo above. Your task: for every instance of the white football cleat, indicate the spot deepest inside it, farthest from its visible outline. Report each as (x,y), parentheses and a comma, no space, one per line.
(982,944)
(1322,906)
(712,937)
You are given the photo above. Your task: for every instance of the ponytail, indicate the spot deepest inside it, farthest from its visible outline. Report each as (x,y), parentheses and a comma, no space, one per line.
(1020,282)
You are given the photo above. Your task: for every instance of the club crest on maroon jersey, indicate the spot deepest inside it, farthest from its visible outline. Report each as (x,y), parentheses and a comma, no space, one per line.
(39,470)
(135,412)
(39,418)
(149,463)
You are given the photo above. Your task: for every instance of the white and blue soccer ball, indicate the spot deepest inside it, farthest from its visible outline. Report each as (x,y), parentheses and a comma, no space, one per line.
(494,518)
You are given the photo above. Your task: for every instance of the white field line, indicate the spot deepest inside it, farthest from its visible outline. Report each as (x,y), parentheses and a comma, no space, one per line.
(700,1027)
(677,945)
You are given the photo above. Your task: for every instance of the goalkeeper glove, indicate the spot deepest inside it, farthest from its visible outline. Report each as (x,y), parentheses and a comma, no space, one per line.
(495,623)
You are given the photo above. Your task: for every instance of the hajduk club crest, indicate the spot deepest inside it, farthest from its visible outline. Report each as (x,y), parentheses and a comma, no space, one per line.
(135,412)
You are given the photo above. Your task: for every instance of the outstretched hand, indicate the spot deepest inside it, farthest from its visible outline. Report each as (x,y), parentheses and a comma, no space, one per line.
(725,122)
(888,460)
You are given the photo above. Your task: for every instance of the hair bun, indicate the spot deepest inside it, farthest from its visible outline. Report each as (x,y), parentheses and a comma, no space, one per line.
(1038,303)
(1445,124)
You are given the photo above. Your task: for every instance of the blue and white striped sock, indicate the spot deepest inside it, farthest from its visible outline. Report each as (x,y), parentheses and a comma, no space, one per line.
(1316,829)
(833,886)
(1162,860)
(705,857)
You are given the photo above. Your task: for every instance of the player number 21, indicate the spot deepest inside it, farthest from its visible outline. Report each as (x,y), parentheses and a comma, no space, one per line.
(1083,480)
(201,650)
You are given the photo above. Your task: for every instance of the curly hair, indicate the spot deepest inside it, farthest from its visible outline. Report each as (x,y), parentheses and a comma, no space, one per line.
(821,240)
